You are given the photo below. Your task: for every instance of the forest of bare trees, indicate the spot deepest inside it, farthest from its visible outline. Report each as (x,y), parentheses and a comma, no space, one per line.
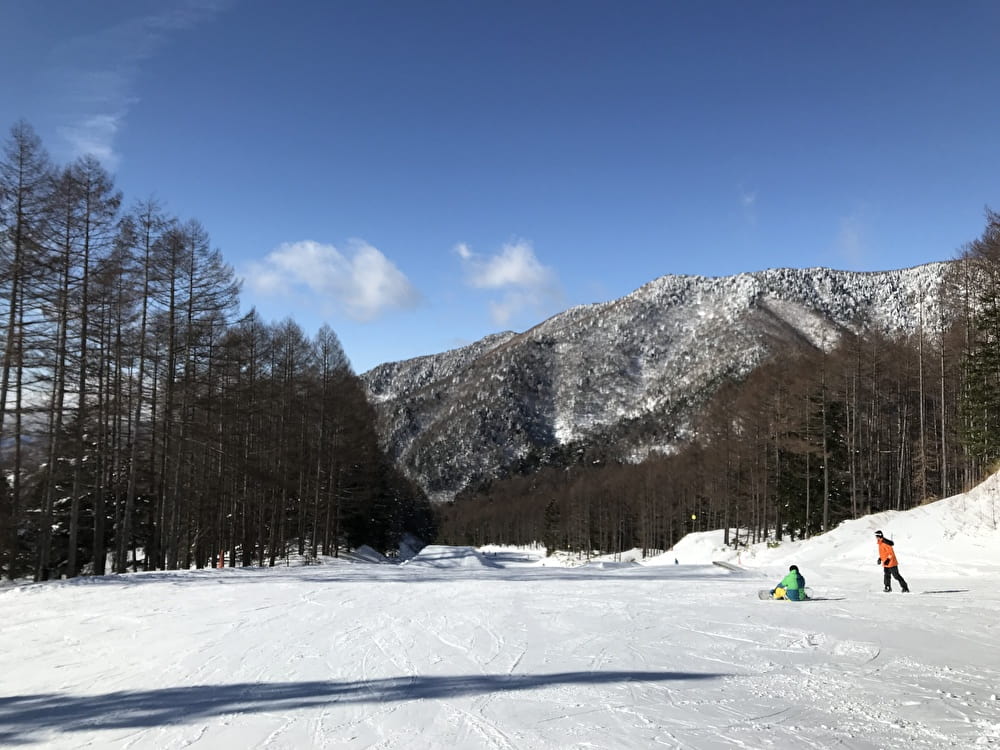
(808,440)
(144,422)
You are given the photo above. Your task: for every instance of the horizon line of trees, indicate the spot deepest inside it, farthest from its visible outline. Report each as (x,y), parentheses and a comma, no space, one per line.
(142,420)
(809,439)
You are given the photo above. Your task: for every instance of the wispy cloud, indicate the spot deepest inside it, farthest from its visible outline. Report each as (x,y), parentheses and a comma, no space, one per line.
(95,136)
(362,284)
(527,286)
(95,74)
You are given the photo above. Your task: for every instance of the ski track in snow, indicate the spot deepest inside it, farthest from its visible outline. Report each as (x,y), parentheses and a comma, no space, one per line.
(350,655)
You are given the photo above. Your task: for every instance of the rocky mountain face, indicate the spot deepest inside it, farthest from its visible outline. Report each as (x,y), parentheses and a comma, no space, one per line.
(625,374)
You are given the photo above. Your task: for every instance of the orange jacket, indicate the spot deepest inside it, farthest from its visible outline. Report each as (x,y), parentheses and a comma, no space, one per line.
(886,554)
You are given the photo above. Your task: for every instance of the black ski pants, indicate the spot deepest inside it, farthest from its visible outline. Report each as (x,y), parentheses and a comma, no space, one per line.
(893,572)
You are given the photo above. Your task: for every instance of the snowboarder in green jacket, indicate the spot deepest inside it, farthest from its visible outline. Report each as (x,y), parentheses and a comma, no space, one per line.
(792,586)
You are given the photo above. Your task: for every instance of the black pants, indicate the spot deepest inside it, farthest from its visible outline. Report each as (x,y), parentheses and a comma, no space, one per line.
(893,572)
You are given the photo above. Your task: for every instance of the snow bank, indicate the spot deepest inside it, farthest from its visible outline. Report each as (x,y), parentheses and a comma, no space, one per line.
(367,554)
(439,556)
(954,537)
(699,548)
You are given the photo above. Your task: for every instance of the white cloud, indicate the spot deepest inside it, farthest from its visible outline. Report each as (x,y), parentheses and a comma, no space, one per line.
(527,285)
(363,284)
(95,74)
(515,265)
(94,136)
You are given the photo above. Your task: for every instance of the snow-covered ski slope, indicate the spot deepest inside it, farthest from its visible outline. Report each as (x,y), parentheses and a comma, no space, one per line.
(464,648)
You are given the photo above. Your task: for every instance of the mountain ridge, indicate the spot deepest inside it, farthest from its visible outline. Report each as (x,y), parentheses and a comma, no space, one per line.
(609,371)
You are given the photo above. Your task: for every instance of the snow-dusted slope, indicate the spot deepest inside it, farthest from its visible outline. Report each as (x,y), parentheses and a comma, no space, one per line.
(650,357)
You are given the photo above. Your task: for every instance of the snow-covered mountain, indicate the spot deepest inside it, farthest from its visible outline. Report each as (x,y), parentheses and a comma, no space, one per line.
(615,371)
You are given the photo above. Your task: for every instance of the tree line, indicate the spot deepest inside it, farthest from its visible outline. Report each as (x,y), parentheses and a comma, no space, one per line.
(809,439)
(144,423)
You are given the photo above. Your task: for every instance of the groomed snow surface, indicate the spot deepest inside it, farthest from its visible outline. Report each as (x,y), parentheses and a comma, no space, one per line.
(496,649)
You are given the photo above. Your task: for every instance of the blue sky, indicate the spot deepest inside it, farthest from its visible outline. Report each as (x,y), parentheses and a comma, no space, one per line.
(421,174)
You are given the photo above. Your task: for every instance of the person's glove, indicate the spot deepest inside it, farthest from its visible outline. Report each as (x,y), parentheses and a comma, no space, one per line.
(879,561)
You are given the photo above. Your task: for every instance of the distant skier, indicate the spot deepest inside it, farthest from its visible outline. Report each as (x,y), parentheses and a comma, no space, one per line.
(792,586)
(890,566)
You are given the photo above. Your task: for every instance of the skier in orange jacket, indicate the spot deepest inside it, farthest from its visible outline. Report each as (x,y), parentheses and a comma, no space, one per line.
(890,566)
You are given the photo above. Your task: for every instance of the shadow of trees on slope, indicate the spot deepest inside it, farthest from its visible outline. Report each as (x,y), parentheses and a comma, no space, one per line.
(24,715)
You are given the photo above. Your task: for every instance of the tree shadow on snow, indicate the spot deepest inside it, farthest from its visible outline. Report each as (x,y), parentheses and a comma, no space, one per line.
(24,715)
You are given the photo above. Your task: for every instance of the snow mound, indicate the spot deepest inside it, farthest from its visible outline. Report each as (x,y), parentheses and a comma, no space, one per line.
(698,548)
(958,536)
(439,556)
(367,554)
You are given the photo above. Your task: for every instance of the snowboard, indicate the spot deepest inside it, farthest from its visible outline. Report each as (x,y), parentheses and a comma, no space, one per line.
(766,594)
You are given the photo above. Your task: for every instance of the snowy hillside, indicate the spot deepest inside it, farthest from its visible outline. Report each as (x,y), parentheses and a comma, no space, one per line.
(958,536)
(626,373)
(491,649)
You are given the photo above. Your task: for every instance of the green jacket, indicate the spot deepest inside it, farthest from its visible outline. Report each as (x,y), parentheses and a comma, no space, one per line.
(793,581)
